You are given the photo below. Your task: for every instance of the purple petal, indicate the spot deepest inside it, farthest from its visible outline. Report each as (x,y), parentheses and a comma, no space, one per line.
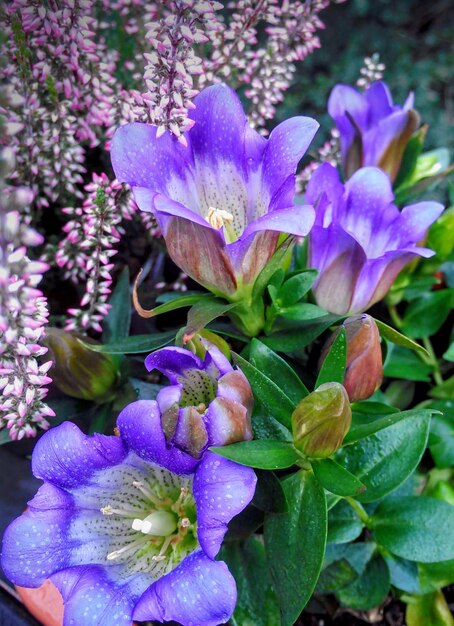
(140,426)
(91,597)
(67,458)
(190,433)
(215,363)
(235,386)
(222,489)
(415,220)
(326,180)
(286,146)
(172,362)
(161,164)
(339,260)
(199,592)
(36,544)
(165,209)
(380,102)
(344,105)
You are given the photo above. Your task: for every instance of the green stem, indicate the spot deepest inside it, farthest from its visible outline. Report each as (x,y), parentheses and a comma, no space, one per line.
(359,509)
(433,361)
(397,320)
(249,317)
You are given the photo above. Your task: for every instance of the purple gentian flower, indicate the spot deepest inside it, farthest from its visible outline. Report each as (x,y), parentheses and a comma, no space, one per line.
(222,201)
(209,403)
(124,536)
(360,240)
(373,130)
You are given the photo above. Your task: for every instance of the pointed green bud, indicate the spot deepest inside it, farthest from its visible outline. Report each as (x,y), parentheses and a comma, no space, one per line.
(321,420)
(78,371)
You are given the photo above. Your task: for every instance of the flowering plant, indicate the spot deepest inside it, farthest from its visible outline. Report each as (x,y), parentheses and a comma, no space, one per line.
(279,449)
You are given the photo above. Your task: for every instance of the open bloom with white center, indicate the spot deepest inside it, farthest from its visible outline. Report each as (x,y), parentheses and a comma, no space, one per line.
(361,240)
(373,130)
(222,201)
(209,403)
(124,530)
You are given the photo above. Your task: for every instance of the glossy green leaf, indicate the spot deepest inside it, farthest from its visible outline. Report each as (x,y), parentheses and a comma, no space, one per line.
(300,337)
(394,336)
(403,363)
(180,302)
(269,494)
(271,397)
(384,460)
(416,528)
(260,453)
(204,312)
(271,267)
(333,366)
(449,354)
(336,478)
(403,573)
(296,287)
(136,344)
(362,429)
(277,370)
(118,320)
(425,315)
(429,609)
(443,427)
(335,576)
(344,524)
(294,547)
(444,391)
(369,589)
(409,159)
(256,604)
(302,312)
(434,576)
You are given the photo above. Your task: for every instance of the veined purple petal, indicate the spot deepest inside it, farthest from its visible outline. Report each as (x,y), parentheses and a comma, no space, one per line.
(415,219)
(172,362)
(344,105)
(339,260)
(165,209)
(222,489)
(140,426)
(326,180)
(65,457)
(199,592)
(91,597)
(36,544)
(286,146)
(380,102)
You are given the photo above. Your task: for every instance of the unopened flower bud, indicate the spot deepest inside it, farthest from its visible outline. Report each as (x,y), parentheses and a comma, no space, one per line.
(204,339)
(364,371)
(321,420)
(78,371)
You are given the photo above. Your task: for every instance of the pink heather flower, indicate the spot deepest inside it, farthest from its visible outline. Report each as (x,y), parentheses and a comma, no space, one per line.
(23,315)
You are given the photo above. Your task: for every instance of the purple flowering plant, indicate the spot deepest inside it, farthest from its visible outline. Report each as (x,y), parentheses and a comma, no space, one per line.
(253,444)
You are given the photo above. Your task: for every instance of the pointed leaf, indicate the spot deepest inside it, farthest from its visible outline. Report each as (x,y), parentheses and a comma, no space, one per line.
(394,336)
(136,344)
(336,478)
(260,453)
(296,287)
(118,320)
(204,312)
(333,367)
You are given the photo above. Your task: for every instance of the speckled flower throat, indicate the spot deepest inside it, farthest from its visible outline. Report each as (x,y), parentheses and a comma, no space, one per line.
(149,519)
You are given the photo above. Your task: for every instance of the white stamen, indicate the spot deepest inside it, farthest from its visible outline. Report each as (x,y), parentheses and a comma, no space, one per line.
(161,556)
(185,523)
(149,494)
(129,548)
(109,510)
(218,218)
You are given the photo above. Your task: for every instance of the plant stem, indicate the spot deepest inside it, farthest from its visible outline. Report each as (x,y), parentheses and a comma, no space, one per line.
(397,320)
(359,509)
(433,361)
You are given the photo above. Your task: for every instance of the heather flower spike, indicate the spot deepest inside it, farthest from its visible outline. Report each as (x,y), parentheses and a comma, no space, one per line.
(360,240)
(124,536)
(373,130)
(209,403)
(222,201)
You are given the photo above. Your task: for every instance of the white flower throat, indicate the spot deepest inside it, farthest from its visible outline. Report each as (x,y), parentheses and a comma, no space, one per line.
(218,218)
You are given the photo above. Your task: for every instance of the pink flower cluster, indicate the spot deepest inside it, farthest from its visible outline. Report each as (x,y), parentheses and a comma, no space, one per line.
(372,70)
(23,315)
(86,251)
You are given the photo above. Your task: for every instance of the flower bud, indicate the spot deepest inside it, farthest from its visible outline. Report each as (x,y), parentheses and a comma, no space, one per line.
(364,371)
(321,420)
(78,371)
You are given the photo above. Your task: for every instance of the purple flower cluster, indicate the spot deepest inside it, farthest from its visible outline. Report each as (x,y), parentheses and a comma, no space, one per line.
(23,314)
(128,527)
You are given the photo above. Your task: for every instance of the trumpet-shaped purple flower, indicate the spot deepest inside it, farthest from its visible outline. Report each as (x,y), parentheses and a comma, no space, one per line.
(373,130)
(360,240)
(207,404)
(124,531)
(222,201)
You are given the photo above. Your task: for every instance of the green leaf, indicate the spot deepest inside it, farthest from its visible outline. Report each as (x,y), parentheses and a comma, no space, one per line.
(256,604)
(144,390)
(335,576)
(4,436)
(266,427)
(416,528)
(118,320)
(403,363)
(409,159)
(271,397)
(430,608)
(425,315)
(260,453)
(204,312)
(295,339)
(336,478)
(294,547)
(361,430)
(394,336)
(449,354)
(100,421)
(136,344)
(295,288)
(271,267)
(344,524)
(179,303)
(384,460)
(403,573)
(269,494)
(442,426)
(434,576)
(333,367)
(369,589)
(302,312)
(277,370)
(444,391)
